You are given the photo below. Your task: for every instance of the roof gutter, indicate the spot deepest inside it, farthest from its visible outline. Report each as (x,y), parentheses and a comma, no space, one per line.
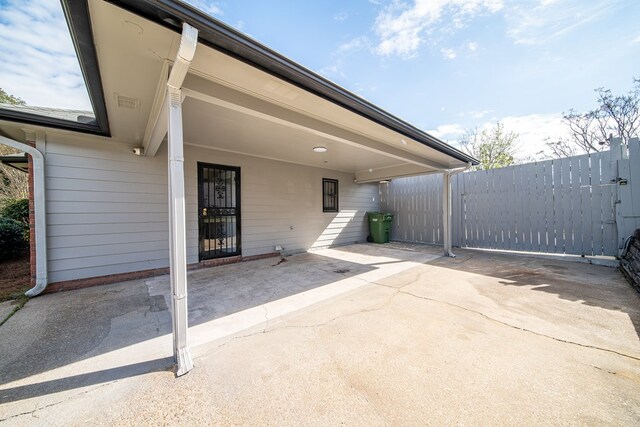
(217,35)
(40,213)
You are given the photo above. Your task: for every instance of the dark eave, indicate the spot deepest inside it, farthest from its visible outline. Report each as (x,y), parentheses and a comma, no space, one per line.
(16,161)
(79,23)
(219,36)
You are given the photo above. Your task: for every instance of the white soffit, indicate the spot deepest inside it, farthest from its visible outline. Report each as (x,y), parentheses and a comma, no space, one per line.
(223,69)
(131,51)
(213,126)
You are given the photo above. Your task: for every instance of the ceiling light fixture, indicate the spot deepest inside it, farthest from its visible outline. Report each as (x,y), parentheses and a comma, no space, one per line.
(320,149)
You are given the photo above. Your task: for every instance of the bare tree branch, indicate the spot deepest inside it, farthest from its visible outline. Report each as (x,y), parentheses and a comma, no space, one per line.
(616,115)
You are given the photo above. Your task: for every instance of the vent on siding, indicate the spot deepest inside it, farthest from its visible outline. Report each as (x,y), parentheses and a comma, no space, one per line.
(127,102)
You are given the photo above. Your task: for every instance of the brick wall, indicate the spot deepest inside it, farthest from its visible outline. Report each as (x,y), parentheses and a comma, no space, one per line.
(32,222)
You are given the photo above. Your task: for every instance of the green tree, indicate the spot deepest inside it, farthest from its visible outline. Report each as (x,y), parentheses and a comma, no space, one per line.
(494,147)
(5,98)
(615,115)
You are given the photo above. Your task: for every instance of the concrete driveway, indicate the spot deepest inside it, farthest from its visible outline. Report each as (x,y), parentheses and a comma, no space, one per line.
(358,335)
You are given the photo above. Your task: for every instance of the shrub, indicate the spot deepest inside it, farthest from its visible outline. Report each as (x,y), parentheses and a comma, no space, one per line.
(12,243)
(16,209)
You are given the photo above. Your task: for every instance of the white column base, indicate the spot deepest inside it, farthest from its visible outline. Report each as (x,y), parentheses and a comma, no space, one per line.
(184,361)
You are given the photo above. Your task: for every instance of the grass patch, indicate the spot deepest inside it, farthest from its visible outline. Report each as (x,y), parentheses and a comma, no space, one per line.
(20,302)
(13,294)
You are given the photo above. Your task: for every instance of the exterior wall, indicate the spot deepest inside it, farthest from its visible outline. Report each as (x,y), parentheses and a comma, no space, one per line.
(107,208)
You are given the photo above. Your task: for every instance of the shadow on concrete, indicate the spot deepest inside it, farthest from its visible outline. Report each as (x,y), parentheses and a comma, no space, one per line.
(57,330)
(591,285)
(85,380)
(242,286)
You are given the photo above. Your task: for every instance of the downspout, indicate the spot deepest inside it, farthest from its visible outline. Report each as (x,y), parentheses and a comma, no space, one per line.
(177,216)
(446,208)
(39,202)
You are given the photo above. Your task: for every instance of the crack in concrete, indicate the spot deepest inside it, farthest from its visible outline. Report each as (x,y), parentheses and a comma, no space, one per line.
(520,328)
(604,370)
(22,301)
(314,326)
(32,413)
(399,290)
(266,310)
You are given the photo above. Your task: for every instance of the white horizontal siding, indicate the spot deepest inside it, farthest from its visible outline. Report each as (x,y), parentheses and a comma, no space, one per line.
(281,203)
(107,209)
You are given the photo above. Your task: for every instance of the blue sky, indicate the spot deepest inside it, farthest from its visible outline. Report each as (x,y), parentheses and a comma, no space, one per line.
(443,65)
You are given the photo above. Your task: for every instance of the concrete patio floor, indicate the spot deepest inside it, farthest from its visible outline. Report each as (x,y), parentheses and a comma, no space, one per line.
(359,335)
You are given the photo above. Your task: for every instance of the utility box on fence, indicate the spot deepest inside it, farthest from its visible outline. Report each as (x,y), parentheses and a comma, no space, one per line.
(380,226)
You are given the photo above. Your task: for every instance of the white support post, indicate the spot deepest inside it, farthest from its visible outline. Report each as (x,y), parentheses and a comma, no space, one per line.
(446,213)
(177,233)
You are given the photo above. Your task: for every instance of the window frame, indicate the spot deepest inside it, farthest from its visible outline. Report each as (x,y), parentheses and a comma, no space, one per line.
(334,207)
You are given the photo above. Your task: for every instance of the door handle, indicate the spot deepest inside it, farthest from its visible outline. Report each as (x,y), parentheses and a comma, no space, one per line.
(204,211)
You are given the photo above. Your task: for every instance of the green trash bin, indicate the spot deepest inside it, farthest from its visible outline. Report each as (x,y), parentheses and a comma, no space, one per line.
(380,226)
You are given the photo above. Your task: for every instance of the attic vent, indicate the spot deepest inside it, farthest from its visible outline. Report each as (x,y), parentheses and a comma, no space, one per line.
(128,103)
(280,89)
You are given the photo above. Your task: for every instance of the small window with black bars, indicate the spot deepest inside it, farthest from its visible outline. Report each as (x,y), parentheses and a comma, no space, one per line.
(329,195)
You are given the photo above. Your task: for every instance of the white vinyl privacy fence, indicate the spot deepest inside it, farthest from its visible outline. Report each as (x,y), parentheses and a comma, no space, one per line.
(582,205)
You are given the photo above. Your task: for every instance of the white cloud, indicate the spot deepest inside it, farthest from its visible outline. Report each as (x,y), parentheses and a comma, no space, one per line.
(479,114)
(353,45)
(636,40)
(533,130)
(450,132)
(402,28)
(334,70)
(448,53)
(549,19)
(340,16)
(472,46)
(207,6)
(38,59)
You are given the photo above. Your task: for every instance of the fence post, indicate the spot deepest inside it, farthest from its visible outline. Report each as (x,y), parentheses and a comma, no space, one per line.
(455,211)
(628,188)
(446,212)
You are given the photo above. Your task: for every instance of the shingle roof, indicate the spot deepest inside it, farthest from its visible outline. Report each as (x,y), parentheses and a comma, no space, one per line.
(76,116)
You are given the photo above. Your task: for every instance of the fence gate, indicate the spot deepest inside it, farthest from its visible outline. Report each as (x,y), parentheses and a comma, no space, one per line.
(582,205)
(554,206)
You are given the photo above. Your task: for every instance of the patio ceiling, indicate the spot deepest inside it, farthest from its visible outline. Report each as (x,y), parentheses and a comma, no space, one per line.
(237,107)
(212,126)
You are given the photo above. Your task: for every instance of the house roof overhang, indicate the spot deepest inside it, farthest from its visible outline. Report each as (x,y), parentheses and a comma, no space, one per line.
(256,101)
(217,35)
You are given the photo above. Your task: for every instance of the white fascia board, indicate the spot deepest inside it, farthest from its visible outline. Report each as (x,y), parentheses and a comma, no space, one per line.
(156,128)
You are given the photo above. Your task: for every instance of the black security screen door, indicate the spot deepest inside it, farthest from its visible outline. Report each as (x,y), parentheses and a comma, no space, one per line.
(219,210)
